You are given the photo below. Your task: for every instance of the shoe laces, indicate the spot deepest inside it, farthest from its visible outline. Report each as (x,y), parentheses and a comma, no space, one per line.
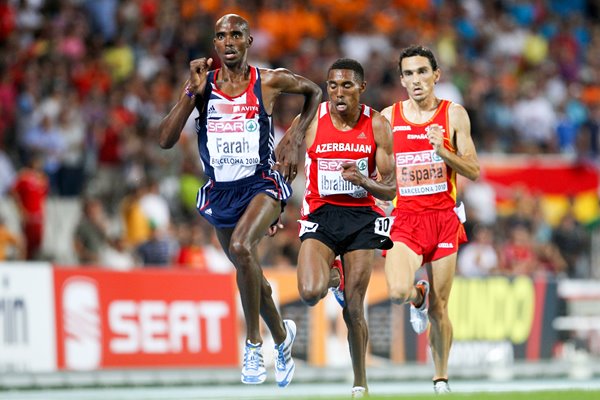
(280,360)
(252,357)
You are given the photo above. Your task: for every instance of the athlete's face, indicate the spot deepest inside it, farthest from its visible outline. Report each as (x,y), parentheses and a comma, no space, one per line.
(232,40)
(417,77)
(344,90)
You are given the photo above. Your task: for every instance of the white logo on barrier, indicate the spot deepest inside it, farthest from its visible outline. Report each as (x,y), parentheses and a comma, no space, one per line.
(81,324)
(159,327)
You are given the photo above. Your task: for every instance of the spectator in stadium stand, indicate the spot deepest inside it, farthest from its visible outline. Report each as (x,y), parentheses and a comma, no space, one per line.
(349,146)
(479,257)
(244,194)
(571,239)
(71,127)
(91,233)
(192,240)
(433,137)
(518,255)
(30,191)
(159,250)
(136,226)
(46,139)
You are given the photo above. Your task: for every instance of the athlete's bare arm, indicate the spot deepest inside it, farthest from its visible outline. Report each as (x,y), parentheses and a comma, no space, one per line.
(310,132)
(275,82)
(387,113)
(171,126)
(464,161)
(385,187)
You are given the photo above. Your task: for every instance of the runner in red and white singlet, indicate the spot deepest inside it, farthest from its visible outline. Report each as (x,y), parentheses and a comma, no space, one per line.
(331,148)
(432,143)
(349,162)
(425,181)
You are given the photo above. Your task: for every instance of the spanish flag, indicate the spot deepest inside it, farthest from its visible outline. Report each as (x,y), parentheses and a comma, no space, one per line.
(560,183)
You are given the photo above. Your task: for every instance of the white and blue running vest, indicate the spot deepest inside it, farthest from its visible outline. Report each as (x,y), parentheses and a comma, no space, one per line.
(235,134)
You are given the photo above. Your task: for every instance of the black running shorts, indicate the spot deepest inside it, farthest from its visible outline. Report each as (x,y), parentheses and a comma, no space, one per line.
(344,229)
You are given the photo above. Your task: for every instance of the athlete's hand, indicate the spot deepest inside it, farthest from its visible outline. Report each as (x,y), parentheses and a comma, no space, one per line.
(351,173)
(435,135)
(286,154)
(198,71)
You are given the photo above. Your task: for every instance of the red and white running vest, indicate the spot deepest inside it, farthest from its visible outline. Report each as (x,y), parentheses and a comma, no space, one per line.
(425,181)
(324,182)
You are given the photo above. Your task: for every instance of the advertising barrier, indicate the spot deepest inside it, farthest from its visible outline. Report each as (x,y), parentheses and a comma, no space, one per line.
(27,334)
(495,319)
(146,318)
(85,319)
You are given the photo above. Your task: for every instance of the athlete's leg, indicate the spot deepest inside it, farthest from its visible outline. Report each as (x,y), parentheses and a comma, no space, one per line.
(357,272)
(266,300)
(441,276)
(401,265)
(255,291)
(314,266)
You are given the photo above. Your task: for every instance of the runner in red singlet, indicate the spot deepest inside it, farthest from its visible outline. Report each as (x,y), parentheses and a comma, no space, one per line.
(432,143)
(348,145)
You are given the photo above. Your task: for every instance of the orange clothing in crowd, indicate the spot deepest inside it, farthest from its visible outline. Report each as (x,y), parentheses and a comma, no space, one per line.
(590,95)
(344,14)
(7,239)
(136,224)
(413,5)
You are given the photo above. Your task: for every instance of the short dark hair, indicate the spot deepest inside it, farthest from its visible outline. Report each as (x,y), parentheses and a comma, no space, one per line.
(418,50)
(348,63)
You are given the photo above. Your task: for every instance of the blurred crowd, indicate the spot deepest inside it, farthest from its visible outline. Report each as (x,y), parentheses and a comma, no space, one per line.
(85,83)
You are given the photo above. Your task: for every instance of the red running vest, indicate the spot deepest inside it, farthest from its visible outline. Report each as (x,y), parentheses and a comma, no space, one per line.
(425,181)
(324,182)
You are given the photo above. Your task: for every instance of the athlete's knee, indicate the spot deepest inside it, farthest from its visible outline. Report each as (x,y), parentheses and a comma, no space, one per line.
(266,289)
(311,294)
(399,294)
(240,250)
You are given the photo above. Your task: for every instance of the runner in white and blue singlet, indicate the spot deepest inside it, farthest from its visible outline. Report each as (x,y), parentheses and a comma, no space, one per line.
(236,143)
(246,188)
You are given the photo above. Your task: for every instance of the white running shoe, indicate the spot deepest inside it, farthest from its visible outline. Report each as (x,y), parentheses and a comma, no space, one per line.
(284,363)
(418,316)
(441,387)
(358,392)
(253,370)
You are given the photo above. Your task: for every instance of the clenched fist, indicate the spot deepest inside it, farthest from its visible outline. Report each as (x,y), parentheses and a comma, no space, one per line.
(198,70)
(435,135)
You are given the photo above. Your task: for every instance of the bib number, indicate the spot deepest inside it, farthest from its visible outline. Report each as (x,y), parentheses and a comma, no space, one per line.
(383,226)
